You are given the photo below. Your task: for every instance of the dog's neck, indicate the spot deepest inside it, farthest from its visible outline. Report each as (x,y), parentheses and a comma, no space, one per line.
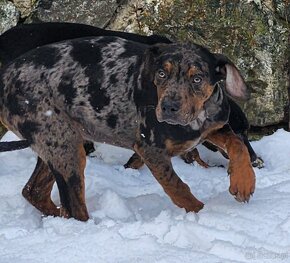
(211,110)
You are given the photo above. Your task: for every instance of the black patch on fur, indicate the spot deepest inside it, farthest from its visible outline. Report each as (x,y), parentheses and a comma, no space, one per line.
(89,56)
(57,111)
(62,187)
(113,79)
(112,121)
(46,56)
(130,94)
(130,73)
(66,88)
(74,181)
(1,90)
(13,105)
(28,129)
(132,50)
(111,64)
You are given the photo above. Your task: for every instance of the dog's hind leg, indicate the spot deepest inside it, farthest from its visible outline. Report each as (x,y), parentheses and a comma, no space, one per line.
(58,142)
(38,189)
(69,176)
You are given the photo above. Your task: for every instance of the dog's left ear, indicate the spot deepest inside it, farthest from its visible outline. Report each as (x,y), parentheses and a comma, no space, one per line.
(156,49)
(235,84)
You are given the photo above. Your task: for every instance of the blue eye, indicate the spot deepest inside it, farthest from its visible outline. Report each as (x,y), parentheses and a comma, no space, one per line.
(197,79)
(161,74)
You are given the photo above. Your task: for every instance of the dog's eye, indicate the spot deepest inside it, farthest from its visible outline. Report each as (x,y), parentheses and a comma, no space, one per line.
(161,74)
(197,79)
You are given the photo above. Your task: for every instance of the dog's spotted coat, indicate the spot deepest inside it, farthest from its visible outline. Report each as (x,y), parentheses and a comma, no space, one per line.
(160,101)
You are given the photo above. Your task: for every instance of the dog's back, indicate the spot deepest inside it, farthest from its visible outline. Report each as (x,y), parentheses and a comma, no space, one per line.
(25,37)
(77,77)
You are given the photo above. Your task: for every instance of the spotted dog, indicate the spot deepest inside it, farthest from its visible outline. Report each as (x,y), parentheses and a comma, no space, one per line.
(160,101)
(25,37)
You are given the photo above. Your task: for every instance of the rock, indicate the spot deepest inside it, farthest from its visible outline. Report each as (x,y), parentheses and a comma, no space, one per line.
(282,8)
(9,15)
(25,7)
(251,33)
(128,17)
(97,13)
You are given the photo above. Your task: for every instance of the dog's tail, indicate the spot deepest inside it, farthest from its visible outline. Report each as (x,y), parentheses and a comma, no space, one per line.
(14,145)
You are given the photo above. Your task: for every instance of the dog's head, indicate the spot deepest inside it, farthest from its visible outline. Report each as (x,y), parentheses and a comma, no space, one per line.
(185,77)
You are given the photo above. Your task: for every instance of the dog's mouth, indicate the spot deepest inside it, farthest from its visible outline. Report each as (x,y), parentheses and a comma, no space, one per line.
(196,120)
(173,122)
(175,119)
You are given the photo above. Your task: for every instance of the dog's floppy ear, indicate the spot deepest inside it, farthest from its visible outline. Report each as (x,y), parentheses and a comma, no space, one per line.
(150,55)
(235,84)
(153,52)
(157,49)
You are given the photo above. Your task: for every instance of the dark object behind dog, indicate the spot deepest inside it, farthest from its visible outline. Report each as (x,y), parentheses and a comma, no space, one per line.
(14,145)
(161,101)
(25,37)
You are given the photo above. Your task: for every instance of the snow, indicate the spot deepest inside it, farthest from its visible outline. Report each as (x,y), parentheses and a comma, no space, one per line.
(132,219)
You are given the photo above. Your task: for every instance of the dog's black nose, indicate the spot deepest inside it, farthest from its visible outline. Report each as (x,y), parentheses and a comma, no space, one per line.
(170,107)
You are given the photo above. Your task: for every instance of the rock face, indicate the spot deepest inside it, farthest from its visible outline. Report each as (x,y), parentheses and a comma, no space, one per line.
(253,34)
(25,7)
(8,15)
(97,13)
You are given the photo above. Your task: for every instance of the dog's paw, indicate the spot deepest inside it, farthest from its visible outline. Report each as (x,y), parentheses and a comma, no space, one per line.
(195,207)
(242,183)
(191,205)
(63,212)
(259,163)
(192,156)
(135,162)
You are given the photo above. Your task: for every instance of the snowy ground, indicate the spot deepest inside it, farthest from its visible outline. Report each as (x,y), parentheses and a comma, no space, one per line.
(132,220)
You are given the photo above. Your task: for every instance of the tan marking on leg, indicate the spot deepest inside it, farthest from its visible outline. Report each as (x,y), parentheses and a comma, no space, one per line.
(37,190)
(161,168)
(242,176)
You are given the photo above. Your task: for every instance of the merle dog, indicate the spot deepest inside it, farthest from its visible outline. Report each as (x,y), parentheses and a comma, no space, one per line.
(160,101)
(25,37)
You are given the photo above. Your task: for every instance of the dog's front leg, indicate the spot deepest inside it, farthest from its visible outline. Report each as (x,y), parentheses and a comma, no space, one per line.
(160,165)
(242,176)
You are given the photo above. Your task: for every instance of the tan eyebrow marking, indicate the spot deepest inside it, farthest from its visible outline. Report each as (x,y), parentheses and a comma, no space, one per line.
(168,66)
(193,70)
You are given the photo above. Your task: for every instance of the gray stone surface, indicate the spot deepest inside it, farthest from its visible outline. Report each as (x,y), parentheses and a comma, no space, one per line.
(9,15)
(92,12)
(25,7)
(252,33)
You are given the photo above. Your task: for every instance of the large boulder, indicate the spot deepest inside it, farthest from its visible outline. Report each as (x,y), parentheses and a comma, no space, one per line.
(9,15)
(25,7)
(252,33)
(97,13)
